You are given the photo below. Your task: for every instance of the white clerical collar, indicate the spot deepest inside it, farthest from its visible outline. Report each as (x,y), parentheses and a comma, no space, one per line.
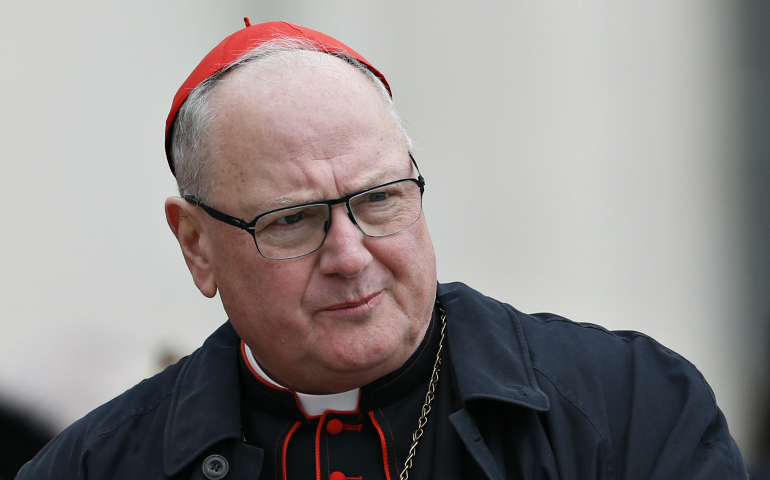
(313,405)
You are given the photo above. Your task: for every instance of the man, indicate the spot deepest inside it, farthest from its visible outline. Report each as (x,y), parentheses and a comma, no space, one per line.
(300,203)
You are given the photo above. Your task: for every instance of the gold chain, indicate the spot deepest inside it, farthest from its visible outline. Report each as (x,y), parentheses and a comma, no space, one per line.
(428,398)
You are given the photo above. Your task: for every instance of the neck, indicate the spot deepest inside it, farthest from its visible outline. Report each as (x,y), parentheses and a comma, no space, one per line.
(311,404)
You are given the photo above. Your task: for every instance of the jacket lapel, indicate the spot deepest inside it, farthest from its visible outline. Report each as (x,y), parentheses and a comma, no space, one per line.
(489,352)
(490,361)
(205,405)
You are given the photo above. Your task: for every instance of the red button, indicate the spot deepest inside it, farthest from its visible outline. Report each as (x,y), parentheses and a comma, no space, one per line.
(334,427)
(337,476)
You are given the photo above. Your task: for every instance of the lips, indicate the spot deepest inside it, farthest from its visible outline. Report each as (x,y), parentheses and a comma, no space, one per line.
(360,304)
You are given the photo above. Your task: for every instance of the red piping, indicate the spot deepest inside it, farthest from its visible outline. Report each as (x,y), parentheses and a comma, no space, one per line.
(384,445)
(318,447)
(286,447)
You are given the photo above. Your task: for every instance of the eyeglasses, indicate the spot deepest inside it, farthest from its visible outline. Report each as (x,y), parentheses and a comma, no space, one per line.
(297,231)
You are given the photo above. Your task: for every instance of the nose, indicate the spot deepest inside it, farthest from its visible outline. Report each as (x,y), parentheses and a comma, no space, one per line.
(343,252)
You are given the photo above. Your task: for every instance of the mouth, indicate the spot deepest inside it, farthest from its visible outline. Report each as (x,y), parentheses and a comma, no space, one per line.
(360,305)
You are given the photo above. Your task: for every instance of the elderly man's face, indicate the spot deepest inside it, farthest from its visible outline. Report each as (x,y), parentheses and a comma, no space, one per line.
(355,309)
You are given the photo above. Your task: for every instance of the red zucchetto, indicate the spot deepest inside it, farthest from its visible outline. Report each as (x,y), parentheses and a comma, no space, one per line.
(240,42)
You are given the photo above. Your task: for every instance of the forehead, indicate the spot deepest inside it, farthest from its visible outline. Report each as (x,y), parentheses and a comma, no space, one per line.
(303,123)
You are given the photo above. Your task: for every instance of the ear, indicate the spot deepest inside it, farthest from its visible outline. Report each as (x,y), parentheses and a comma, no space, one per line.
(188,230)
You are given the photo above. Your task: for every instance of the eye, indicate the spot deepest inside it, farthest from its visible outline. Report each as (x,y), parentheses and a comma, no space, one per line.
(289,219)
(377,196)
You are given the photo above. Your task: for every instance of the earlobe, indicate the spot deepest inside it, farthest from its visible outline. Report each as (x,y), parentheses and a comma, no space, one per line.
(191,237)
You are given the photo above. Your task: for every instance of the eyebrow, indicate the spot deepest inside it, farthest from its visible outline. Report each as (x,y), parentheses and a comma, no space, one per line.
(290,202)
(284,202)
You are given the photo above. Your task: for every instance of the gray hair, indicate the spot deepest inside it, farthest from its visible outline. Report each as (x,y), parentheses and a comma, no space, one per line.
(189,151)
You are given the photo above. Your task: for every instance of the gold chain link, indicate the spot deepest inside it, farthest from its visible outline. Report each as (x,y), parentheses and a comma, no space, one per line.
(428,398)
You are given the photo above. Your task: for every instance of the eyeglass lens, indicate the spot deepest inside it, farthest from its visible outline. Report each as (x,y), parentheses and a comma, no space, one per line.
(292,232)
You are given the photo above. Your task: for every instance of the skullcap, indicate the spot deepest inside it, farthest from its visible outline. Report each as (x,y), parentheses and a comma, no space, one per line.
(240,42)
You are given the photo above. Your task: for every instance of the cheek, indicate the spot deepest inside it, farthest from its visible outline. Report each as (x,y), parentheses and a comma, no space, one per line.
(256,290)
(263,303)
(411,260)
(415,256)
(237,262)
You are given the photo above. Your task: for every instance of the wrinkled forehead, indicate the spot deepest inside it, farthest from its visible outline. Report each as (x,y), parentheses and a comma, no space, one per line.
(282,117)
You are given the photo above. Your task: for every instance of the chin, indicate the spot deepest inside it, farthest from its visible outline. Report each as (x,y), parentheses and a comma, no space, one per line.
(371,355)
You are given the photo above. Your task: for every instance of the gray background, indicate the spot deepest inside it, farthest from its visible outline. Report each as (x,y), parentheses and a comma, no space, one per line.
(602,160)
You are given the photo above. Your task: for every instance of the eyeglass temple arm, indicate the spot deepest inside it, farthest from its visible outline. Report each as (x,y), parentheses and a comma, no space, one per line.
(419,175)
(234,221)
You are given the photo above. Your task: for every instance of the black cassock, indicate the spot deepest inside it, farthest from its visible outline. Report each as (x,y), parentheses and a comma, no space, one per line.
(370,444)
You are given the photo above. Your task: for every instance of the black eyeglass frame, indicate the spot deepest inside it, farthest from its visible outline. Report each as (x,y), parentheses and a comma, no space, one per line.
(251,226)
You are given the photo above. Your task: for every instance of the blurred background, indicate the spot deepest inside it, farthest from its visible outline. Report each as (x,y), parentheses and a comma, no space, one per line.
(607,161)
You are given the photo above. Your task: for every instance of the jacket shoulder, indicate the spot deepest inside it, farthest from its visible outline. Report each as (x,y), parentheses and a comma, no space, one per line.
(141,399)
(651,406)
(140,409)
(649,410)
(584,359)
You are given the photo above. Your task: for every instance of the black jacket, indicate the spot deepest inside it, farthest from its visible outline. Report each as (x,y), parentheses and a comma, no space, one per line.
(542,398)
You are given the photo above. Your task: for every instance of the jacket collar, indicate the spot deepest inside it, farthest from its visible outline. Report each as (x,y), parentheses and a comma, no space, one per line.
(205,405)
(484,366)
